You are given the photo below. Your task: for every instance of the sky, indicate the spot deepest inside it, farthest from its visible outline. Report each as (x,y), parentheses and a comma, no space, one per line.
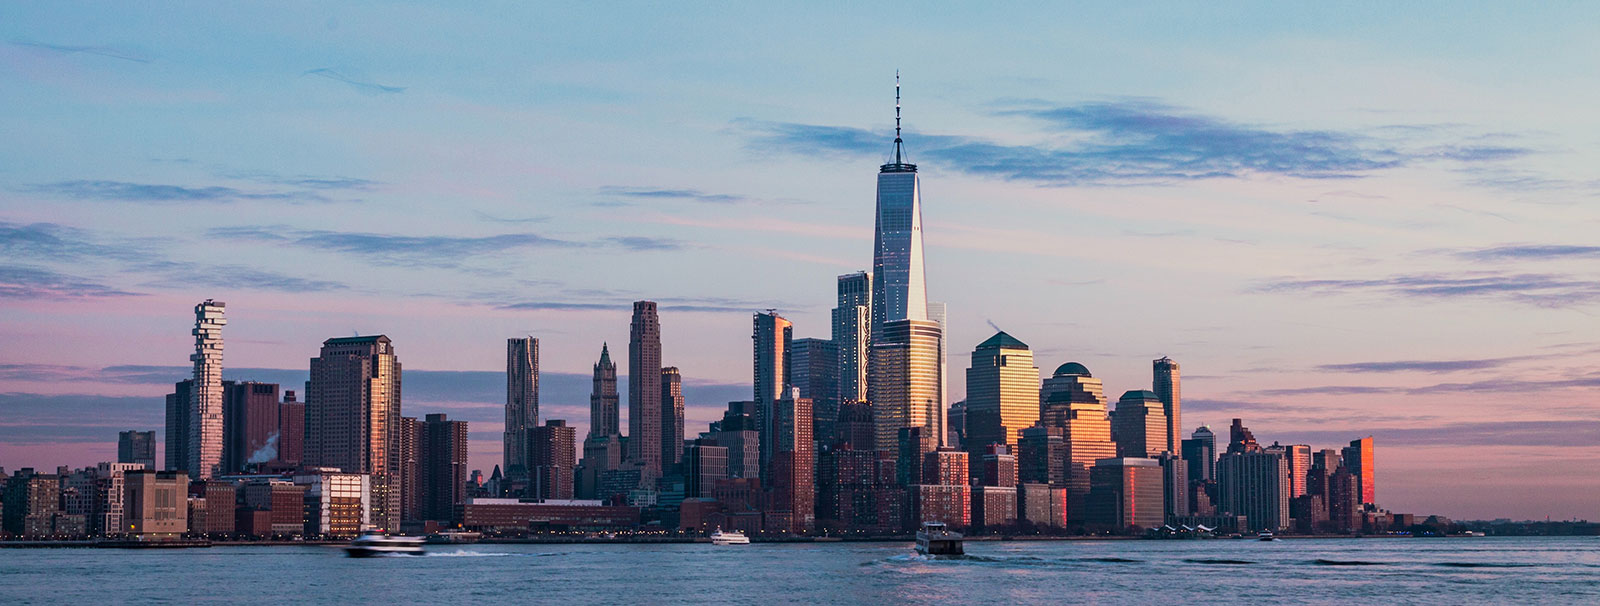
(1343,220)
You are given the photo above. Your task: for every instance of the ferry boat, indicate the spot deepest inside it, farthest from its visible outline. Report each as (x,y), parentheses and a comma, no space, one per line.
(936,539)
(731,537)
(373,543)
(1266,535)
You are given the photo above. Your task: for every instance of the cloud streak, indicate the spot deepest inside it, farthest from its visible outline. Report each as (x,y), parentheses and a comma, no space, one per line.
(1133,141)
(1428,366)
(27,282)
(146,193)
(432,251)
(99,51)
(1544,290)
(362,85)
(689,195)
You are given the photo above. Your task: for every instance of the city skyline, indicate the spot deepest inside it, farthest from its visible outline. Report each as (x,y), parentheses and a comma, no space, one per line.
(1424,266)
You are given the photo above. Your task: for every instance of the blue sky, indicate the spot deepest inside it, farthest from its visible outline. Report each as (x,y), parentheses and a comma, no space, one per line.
(1341,219)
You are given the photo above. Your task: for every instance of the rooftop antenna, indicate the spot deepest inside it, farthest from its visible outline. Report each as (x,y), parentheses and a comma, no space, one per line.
(897,117)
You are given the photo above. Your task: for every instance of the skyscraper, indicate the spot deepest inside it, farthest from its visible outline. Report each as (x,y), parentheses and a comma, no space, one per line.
(671,417)
(1002,393)
(442,463)
(1359,458)
(177,426)
(137,447)
(1255,484)
(1073,400)
(603,397)
(644,389)
(770,341)
(904,388)
(522,401)
(852,334)
(1138,426)
(814,370)
(251,424)
(1201,453)
(1126,492)
(550,452)
(205,401)
(1167,390)
(792,502)
(899,289)
(291,429)
(353,417)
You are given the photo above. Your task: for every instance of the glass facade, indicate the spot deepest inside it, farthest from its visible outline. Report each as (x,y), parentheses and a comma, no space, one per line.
(905,386)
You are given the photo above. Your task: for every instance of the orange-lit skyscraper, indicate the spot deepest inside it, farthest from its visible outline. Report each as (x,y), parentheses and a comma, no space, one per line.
(1002,393)
(353,417)
(770,339)
(1358,457)
(1166,386)
(1073,400)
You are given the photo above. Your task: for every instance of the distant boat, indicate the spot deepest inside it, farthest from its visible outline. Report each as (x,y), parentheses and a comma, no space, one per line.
(374,543)
(1266,535)
(455,537)
(936,539)
(731,537)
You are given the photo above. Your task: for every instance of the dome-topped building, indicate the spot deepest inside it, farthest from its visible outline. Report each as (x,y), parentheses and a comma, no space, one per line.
(1072,369)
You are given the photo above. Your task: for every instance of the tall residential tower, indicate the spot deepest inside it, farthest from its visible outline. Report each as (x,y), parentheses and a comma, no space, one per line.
(644,389)
(205,399)
(522,401)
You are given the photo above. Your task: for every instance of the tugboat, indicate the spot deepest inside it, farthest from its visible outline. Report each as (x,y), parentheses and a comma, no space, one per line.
(373,543)
(935,539)
(731,537)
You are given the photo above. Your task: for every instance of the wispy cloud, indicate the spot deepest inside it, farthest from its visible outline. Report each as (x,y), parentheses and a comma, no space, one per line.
(433,251)
(147,193)
(513,220)
(349,77)
(101,51)
(1532,252)
(1134,141)
(1550,433)
(1428,366)
(682,304)
(55,242)
(689,195)
(1545,290)
(25,282)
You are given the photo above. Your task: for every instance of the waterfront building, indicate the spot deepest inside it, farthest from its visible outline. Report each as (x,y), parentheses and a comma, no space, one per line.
(550,464)
(283,500)
(137,447)
(1166,385)
(737,431)
(522,402)
(644,390)
(32,504)
(1344,500)
(997,466)
(1138,426)
(905,381)
(770,339)
(1126,492)
(517,517)
(337,504)
(704,463)
(412,491)
(1358,458)
(177,426)
(154,506)
(205,398)
(1073,400)
(946,466)
(855,426)
(852,334)
(442,466)
(910,445)
(792,486)
(671,418)
(814,369)
(1174,485)
(1254,484)
(1298,457)
(212,504)
(353,418)
(1042,505)
(1200,451)
(994,507)
(250,424)
(951,504)
(1002,393)
(291,430)
(856,491)
(1042,456)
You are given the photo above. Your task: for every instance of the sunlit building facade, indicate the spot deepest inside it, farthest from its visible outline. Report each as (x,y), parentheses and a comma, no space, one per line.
(205,401)
(353,418)
(1002,393)
(905,387)
(852,333)
(1139,426)
(1074,401)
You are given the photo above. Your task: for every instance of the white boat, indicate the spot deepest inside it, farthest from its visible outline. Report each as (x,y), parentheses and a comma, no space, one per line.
(731,537)
(936,539)
(374,543)
(1266,535)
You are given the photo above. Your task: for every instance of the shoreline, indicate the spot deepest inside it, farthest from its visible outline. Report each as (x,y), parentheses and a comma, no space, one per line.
(203,543)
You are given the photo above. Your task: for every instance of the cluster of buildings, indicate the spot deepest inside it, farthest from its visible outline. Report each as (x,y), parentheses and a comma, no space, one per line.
(851,434)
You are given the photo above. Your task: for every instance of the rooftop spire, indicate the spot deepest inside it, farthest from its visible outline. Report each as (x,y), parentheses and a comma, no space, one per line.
(899,163)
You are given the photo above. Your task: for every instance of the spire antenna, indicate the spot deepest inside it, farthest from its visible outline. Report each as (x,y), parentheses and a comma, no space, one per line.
(897,117)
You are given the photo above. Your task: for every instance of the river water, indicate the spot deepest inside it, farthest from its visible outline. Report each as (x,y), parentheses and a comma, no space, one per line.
(1478,571)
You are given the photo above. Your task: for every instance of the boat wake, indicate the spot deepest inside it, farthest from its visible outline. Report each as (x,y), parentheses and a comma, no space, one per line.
(1326,562)
(1217,561)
